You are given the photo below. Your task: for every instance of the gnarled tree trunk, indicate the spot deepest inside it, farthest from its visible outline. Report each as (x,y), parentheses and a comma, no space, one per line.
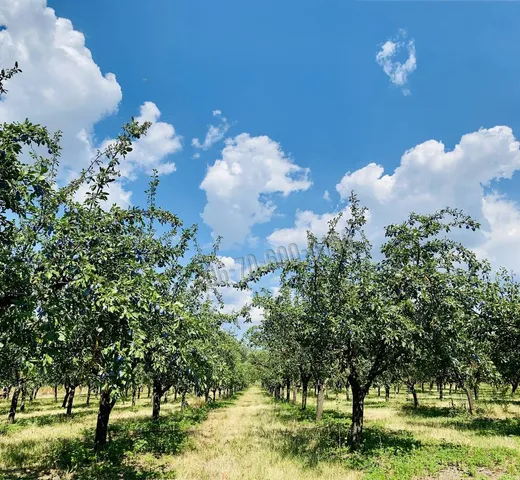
(358,409)
(71,400)
(156,400)
(105,407)
(14,403)
(66,397)
(305,387)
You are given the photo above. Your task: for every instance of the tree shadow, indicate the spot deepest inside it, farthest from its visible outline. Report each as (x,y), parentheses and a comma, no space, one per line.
(489,426)
(48,419)
(328,440)
(311,445)
(128,438)
(431,411)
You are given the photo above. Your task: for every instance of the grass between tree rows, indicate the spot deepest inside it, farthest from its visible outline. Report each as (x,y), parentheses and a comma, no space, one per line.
(44,443)
(437,440)
(255,438)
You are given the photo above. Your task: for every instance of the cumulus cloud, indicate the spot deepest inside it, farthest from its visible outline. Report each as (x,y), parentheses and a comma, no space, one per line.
(386,57)
(63,88)
(428,178)
(215,133)
(149,152)
(240,186)
(235,299)
(326,196)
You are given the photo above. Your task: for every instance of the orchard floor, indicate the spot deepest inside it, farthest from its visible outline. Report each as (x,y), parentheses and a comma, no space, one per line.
(251,437)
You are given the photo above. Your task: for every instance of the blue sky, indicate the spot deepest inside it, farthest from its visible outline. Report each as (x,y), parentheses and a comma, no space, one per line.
(303,75)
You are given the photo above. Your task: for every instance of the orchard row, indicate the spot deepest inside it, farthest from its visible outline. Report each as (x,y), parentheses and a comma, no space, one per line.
(100,296)
(427,310)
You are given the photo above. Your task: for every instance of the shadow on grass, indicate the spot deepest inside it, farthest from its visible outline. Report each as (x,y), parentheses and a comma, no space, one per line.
(384,453)
(430,411)
(128,439)
(312,443)
(459,419)
(489,426)
(48,419)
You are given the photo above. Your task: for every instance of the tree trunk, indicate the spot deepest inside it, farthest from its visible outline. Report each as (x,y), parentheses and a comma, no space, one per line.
(475,391)
(440,391)
(358,407)
(387,393)
(14,403)
(148,394)
(22,405)
(105,407)
(34,392)
(65,399)
(320,400)
(156,401)
(219,392)
(415,397)
(71,400)
(305,386)
(206,395)
(470,400)
(294,392)
(134,395)
(214,393)
(288,392)
(139,392)
(378,391)
(88,395)
(514,386)
(55,393)
(184,403)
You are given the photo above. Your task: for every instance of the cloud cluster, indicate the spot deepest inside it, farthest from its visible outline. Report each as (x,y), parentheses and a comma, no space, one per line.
(397,71)
(428,178)
(240,185)
(63,88)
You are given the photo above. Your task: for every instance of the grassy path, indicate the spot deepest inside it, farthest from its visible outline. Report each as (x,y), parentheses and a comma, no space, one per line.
(253,438)
(248,441)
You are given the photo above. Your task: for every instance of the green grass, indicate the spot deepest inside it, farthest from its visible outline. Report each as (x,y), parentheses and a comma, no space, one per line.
(45,443)
(402,442)
(256,438)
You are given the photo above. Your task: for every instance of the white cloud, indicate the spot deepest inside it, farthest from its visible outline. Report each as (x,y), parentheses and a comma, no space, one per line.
(326,196)
(305,220)
(215,133)
(63,88)
(429,178)
(196,155)
(150,151)
(397,71)
(235,299)
(239,186)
